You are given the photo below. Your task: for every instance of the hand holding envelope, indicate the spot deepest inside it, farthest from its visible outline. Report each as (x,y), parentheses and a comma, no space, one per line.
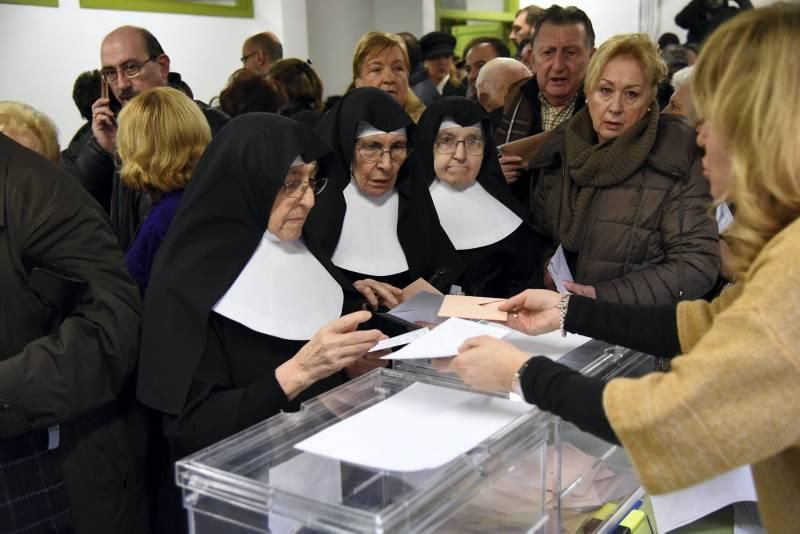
(479,308)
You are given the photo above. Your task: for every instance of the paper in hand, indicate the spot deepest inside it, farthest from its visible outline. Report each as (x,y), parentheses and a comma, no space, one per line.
(396,341)
(559,270)
(480,308)
(420,284)
(444,340)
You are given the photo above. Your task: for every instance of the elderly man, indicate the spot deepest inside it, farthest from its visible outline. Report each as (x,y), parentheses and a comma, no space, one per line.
(71,442)
(524,23)
(260,51)
(680,103)
(477,53)
(132,61)
(496,79)
(563,42)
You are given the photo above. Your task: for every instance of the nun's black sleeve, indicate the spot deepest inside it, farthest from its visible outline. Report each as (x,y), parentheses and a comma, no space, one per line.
(523,260)
(217,408)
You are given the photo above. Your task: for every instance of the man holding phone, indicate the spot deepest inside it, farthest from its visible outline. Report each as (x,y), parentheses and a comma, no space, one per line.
(132,61)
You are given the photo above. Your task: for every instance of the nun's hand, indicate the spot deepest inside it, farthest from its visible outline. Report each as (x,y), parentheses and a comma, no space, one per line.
(334,347)
(378,293)
(534,311)
(484,363)
(370,361)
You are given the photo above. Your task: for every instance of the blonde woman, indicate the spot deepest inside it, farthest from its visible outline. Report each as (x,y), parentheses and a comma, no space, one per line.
(732,398)
(30,128)
(162,134)
(381,61)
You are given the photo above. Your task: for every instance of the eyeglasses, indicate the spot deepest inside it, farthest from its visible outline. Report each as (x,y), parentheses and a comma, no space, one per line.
(375,151)
(130,70)
(297,188)
(448,144)
(245,57)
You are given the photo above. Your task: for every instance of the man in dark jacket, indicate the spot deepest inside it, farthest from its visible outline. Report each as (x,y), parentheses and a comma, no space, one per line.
(132,61)
(563,42)
(701,17)
(72,443)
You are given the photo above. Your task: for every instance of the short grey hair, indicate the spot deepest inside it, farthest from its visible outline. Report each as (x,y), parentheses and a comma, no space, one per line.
(681,77)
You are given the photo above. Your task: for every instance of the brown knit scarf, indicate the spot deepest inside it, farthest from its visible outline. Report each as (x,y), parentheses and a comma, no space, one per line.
(592,165)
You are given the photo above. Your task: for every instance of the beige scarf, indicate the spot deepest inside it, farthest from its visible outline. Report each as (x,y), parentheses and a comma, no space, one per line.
(592,165)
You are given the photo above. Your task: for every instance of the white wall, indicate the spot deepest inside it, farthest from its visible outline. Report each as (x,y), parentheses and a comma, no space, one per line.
(608,18)
(43,49)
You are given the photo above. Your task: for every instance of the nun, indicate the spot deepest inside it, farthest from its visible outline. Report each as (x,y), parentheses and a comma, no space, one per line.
(379,225)
(456,158)
(242,315)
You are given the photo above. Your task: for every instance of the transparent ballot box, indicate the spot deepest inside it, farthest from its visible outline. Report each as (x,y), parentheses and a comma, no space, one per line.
(590,483)
(260,481)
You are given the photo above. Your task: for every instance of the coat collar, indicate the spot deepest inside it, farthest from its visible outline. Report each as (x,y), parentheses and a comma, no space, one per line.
(5,160)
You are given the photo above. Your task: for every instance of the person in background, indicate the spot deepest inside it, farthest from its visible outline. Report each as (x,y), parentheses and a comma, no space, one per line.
(477,53)
(701,17)
(71,440)
(525,54)
(619,188)
(456,157)
(563,43)
(666,39)
(731,396)
(30,128)
(248,91)
(676,57)
(85,92)
(260,51)
(498,78)
(161,136)
(300,82)
(524,24)
(381,61)
(378,223)
(438,49)
(416,70)
(680,103)
(132,61)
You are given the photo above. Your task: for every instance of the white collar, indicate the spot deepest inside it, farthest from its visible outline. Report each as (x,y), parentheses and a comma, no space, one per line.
(441,84)
(368,243)
(471,217)
(283,291)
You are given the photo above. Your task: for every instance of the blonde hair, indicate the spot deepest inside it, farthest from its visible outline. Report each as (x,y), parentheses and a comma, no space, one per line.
(746,82)
(19,118)
(375,43)
(640,47)
(161,136)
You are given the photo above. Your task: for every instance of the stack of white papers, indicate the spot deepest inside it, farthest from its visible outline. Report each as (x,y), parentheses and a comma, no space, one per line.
(422,427)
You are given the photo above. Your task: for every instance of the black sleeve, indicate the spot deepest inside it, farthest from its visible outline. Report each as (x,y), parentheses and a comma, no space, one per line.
(568,394)
(650,328)
(693,16)
(216,408)
(94,168)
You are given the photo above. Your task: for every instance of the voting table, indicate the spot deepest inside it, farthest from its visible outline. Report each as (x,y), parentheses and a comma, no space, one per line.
(411,450)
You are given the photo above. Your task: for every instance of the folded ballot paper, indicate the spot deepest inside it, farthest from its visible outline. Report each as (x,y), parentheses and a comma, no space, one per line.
(444,340)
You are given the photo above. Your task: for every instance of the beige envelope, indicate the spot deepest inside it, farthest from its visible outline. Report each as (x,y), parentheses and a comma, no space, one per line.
(472,308)
(420,284)
(525,148)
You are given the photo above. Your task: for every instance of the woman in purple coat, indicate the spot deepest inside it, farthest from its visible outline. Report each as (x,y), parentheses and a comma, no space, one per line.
(162,134)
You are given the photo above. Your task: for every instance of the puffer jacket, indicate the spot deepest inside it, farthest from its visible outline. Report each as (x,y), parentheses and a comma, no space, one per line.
(650,239)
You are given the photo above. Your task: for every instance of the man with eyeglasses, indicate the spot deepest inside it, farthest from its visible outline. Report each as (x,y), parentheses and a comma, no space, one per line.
(132,62)
(260,51)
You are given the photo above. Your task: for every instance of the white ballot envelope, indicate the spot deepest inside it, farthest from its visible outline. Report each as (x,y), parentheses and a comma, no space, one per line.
(559,270)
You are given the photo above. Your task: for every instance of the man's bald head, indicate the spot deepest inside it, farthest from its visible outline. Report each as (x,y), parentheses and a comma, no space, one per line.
(495,79)
(127,49)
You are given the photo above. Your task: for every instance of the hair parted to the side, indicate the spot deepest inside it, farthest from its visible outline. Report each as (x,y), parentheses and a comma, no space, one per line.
(162,134)
(16,117)
(746,83)
(640,47)
(268,43)
(372,43)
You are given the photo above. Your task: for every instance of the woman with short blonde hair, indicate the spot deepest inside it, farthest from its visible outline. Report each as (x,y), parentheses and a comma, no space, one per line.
(30,128)
(381,60)
(635,45)
(161,136)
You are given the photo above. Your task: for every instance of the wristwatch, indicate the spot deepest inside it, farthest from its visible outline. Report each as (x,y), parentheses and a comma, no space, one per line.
(516,385)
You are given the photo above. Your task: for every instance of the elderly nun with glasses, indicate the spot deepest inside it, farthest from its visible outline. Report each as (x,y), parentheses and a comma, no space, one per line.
(378,224)
(243,313)
(456,157)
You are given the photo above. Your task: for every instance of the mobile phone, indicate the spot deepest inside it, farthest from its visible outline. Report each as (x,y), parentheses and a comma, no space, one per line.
(390,325)
(103,88)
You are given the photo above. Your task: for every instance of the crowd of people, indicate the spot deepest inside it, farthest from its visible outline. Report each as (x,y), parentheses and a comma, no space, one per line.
(183,270)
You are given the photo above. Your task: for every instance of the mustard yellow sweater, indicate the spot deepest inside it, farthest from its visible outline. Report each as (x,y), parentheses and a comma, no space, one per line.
(733,397)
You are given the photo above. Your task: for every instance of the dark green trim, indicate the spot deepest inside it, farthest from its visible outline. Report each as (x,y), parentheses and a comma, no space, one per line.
(41,3)
(242,8)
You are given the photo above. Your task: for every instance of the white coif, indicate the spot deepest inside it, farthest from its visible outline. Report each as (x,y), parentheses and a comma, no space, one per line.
(471,217)
(283,291)
(368,244)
